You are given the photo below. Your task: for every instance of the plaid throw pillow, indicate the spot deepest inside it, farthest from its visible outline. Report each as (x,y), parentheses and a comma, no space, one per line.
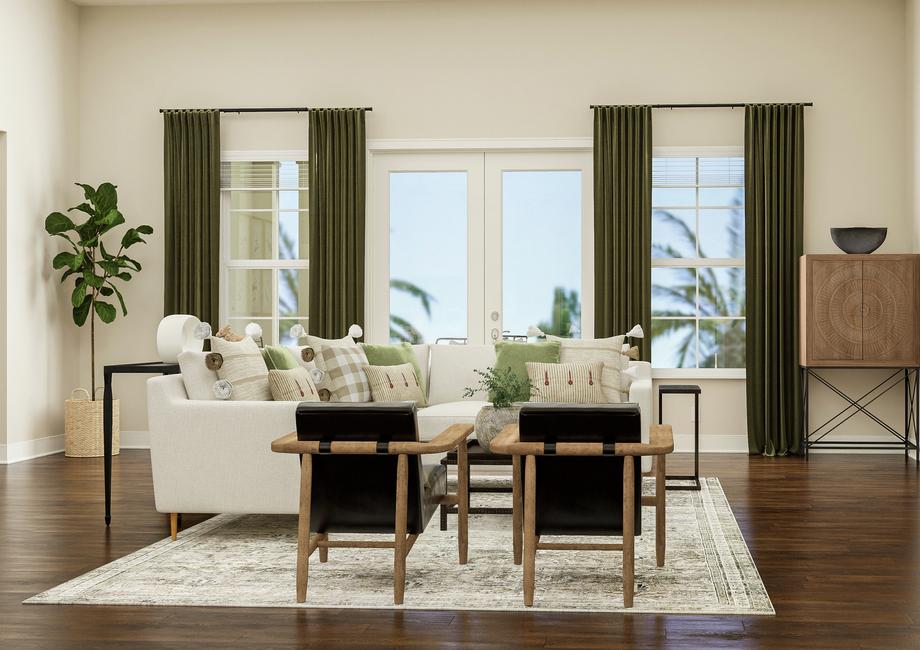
(345,376)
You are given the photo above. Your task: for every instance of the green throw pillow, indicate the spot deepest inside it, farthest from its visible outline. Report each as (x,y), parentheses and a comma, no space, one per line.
(278,357)
(509,354)
(394,355)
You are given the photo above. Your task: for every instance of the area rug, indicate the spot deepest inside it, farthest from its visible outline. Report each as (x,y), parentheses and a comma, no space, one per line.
(248,561)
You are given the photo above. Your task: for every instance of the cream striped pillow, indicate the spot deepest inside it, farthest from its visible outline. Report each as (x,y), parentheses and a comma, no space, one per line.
(293,385)
(567,383)
(395,384)
(244,367)
(609,350)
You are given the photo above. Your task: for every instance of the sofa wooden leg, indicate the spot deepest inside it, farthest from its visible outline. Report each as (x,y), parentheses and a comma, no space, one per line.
(463,502)
(660,505)
(530,536)
(629,524)
(399,551)
(517,508)
(173,524)
(323,550)
(303,526)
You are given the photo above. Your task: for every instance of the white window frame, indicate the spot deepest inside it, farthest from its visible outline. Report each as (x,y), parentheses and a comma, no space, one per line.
(425,152)
(276,265)
(696,263)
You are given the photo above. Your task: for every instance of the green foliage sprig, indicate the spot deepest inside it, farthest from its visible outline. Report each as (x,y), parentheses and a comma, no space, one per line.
(95,268)
(503,386)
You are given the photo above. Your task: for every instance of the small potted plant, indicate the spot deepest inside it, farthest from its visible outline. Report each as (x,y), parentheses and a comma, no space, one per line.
(504,388)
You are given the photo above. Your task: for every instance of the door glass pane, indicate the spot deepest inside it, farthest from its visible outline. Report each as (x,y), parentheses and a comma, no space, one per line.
(293,230)
(428,256)
(541,252)
(249,293)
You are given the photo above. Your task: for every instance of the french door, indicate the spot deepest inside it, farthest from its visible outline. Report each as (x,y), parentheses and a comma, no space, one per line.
(480,246)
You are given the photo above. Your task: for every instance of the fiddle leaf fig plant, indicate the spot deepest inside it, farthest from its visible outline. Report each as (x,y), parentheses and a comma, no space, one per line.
(95,269)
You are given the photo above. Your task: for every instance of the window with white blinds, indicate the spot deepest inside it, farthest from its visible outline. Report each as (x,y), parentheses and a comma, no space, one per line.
(698,304)
(264,245)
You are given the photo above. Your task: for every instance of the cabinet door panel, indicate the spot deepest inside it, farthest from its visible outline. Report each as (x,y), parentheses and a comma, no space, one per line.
(837,315)
(889,308)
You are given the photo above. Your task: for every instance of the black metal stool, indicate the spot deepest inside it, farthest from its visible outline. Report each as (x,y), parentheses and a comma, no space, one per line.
(685,389)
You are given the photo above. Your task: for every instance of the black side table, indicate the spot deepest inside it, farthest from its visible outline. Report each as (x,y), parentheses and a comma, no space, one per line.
(476,455)
(685,389)
(149,367)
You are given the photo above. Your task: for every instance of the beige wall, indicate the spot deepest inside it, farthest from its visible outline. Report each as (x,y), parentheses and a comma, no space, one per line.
(500,69)
(38,113)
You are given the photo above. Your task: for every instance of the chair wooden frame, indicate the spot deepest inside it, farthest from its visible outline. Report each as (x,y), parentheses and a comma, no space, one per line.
(527,542)
(453,437)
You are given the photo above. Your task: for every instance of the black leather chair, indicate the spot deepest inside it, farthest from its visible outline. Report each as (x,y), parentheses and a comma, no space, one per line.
(361,472)
(580,478)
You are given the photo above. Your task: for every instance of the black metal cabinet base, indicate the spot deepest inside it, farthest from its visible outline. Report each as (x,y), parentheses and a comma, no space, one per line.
(149,367)
(909,378)
(476,455)
(684,389)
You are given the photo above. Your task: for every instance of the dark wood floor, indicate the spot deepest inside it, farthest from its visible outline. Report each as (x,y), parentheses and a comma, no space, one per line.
(836,539)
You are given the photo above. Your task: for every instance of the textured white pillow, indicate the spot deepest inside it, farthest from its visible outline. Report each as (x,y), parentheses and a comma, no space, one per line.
(198,378)
(345,376)
(609,351)
(567,383)
(245,369)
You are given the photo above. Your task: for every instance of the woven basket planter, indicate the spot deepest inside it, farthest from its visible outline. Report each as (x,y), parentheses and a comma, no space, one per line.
(83,432)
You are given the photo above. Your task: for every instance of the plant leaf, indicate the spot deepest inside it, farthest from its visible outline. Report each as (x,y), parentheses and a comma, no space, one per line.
(106,198)
(130,238)
(58,222)
(127,261)
(105,311)
(62,259)
(88,191)
(123,276)
(109,267)
(80,313)
(84,207)
(77,261)
(106,291)
(111,219)
(78,295)
(121,299)
(67,274)
(92,279)
(144,229)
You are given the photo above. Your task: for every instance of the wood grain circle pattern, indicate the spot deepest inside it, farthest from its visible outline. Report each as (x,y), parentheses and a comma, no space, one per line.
(886,310)
(838,311)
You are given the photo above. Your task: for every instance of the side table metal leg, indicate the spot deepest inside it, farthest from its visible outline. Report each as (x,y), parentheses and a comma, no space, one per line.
(107,444)
(696,440)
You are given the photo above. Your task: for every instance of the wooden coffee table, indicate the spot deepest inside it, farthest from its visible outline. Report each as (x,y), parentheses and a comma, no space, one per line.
(476,455)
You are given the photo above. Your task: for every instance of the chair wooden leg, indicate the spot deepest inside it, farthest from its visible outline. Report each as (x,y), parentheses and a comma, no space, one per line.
(399,551)
(530,536)
(463,503)
(517,509)
(629,525)
(660,505)
(173,524)
(303,526)
(323,550)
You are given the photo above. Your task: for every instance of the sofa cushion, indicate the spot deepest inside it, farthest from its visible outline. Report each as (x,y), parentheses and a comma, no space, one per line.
(244,368)
(567,383)
(199,380)
(514,356)
(345,376)
(608,350)
(453,368)
(394,355)
(292,385)
(395,384)
(278,357)
(432,420)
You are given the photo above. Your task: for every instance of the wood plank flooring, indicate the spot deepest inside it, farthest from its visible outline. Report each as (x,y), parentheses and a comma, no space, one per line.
(836,539)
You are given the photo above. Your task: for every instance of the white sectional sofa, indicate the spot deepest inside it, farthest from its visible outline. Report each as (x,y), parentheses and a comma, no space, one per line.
(215,456)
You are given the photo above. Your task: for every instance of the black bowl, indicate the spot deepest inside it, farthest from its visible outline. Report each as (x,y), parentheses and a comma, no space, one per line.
(858,240)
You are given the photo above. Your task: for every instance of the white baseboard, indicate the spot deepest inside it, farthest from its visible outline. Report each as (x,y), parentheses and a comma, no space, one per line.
(17,452)
(734,444)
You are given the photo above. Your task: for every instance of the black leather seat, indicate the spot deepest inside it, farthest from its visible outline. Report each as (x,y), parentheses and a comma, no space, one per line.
(581,495)
(355,493)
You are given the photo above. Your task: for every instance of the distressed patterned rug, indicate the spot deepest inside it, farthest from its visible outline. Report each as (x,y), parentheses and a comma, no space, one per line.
(248,561)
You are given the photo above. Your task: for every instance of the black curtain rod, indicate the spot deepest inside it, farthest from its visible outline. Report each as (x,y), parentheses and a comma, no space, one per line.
(726,105)
(286,109)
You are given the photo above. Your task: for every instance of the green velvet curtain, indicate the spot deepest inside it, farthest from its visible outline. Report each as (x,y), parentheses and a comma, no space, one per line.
(191,175)
(774,160)
(337,195)
(622,220)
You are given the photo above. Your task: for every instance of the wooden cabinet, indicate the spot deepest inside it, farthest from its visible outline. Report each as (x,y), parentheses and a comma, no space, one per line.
(860,310)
